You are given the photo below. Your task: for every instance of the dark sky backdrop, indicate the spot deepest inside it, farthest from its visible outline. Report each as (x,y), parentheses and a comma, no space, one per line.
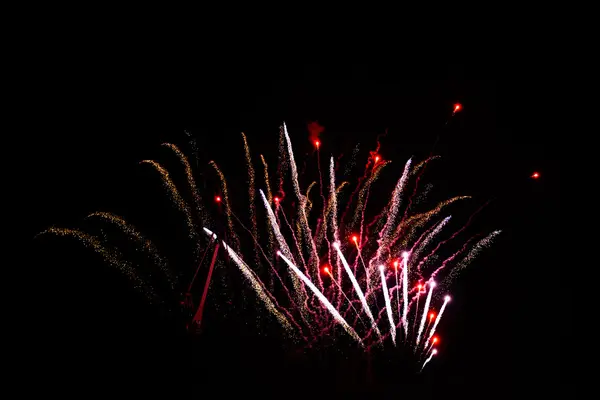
(100,117)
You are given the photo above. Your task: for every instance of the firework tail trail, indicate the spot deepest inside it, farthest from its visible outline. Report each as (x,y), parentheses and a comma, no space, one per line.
(405,295)
(277,275)
(281,164)
(417,168)
(388,305)
(418,220)
(200,312)
(384,237)
(177,200)
(225,201)
(357,288)
(361,179)
(324,207)
(110,256)
(308,202)
(433,353)
(441,243)
(332,208)
(300,290)
(296,242)
(271,250)
(251,197)
(284,318)
(146,244)
(268,261)
(336,315)
(303,218)
(427,237)
(425,311)
(190,180)
(437,319)
(480,245)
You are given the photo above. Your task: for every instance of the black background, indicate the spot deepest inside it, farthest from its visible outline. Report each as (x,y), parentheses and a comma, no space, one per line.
(99,111)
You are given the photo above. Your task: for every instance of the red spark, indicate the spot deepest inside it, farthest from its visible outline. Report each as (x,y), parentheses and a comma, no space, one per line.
(276,199)
(355,239)
(376,159)
(431,315)
(317,144)
(326,269)
(435,339)
(218,199)
(457,107)
(395,264)
(535,175)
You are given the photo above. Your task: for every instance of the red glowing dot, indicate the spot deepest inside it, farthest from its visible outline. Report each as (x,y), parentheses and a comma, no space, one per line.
(431,315)
(376,158)
(317,143)
(420,287)
(218,199)
(354,238)
(435,339)
(396,264)
(535,175)
(326,270)
(276,199)
(457,107)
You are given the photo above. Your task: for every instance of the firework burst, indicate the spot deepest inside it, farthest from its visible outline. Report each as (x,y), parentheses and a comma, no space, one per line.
(320,273)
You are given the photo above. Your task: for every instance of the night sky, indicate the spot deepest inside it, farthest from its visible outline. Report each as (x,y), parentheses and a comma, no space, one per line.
(99,118)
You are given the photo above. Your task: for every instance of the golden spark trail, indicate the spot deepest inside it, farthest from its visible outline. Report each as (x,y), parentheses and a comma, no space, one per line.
(270,200)
(141,241)
(110,256)
(418,220)
(177,199)
(308,202)
(251,197)
(475,250)
(226,203)
(191,181)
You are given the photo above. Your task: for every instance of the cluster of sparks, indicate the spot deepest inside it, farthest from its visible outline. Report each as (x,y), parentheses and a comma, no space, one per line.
(374,279)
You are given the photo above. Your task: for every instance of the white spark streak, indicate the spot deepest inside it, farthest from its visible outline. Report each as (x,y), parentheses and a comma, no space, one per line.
(357,288)
(405,295)
(323,299)
(425,311)
(439,317)
(255,283)
(433,353)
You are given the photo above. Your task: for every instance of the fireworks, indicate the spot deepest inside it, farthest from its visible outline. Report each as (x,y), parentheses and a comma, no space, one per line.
(321,265)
